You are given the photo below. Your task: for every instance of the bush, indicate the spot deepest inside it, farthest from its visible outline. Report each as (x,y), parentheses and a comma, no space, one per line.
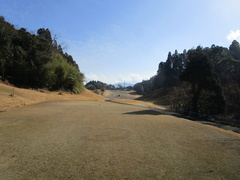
(232,96)
(60,74)
(180,98)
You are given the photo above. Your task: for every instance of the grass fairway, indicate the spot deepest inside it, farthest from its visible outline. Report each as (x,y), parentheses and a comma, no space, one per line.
(104,140)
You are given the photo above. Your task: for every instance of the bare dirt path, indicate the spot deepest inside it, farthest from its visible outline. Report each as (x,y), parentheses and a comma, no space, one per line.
(104,140)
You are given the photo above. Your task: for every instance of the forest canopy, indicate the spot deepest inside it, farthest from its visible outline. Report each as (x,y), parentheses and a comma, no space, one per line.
(200,80)
(36,60)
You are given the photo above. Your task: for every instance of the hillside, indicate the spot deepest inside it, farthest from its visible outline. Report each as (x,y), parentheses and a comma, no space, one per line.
(12,97)
(158,97)
(36,60)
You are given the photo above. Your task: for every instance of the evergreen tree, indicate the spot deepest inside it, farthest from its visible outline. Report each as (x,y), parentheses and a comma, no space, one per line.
(92,85)
(235,50)
(28,60)
(138,88)
(45,34)
(204,81)
(7,32)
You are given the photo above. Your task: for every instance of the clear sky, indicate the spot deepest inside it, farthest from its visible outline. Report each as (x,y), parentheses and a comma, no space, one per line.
(124,40)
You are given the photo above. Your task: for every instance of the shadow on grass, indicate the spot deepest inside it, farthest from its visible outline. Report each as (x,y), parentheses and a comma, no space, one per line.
(195,119)
(153,111)
(133,93)
(145,112)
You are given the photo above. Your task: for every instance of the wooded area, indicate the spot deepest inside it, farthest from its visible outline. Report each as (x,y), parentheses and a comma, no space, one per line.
(36,60)
(200,80)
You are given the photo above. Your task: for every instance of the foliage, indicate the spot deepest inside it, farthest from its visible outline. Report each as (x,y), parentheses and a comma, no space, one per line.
(129,88)
(169,71)
(205,85)
(6,34)
(138,88)
(61,75)
(110,87)
(146,86)
(210,80)
(34,61)
(232,95)
(93,85)
(235,50)
(180,98)
(120,87)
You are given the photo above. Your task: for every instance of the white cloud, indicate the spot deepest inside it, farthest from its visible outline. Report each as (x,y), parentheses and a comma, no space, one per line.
(132,77)
(128,78)
(234,35)
(96,77)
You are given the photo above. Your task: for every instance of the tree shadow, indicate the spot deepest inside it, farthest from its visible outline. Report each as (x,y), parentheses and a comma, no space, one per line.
(133,93)
(145,112)
(153,111)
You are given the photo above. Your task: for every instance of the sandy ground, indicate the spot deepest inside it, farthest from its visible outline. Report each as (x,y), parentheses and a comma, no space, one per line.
(105,140)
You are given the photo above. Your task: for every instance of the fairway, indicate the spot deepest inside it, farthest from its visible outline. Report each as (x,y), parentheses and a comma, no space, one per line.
(104,140)
(120,94)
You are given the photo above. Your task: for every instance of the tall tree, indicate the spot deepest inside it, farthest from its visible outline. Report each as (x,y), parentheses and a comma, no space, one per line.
(138,88)
(45,34)
(235,50)
(203,80)
(6,35)
(28,60)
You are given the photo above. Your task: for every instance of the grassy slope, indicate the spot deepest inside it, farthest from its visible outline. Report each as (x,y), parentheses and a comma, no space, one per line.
(158,97)
(23,97)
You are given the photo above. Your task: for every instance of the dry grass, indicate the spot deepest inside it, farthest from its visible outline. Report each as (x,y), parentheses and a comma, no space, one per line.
(12,97)
(138,103)
(103,140)
(158,97)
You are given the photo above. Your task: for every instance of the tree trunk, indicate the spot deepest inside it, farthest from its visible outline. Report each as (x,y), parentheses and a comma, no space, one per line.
(196,94)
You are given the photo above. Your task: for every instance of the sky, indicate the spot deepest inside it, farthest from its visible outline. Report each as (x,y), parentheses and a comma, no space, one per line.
(124,40)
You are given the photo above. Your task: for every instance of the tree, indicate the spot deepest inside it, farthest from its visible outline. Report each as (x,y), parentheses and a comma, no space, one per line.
(33,61)
(93,85)
(235,50)
(45,34)
(129,88)
(120,87)
(232,94)
(204,83)
(138,88)
(110,87)
(59,74)
(6,35)
(175,53)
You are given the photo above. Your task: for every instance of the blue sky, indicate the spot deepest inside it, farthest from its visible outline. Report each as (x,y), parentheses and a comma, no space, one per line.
(124,40)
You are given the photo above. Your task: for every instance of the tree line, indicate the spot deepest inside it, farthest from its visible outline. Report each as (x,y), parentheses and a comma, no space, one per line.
(36,60)
(200,80)
(98,85)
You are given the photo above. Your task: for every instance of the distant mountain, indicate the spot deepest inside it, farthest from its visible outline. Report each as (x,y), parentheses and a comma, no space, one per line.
(123,84)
